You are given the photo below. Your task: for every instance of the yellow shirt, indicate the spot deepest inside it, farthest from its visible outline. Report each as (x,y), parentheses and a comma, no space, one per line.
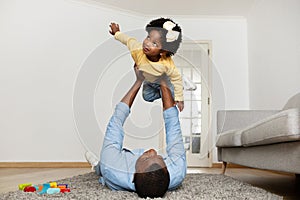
(153,70)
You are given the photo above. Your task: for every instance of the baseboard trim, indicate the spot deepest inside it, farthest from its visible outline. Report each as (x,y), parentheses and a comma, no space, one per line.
(44,165)
(229,165)
(77,165)
(87,165)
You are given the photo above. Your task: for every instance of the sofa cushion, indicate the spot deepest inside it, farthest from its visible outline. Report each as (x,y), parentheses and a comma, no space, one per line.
(293,102)
(231,138)
(238,119)
(280,127)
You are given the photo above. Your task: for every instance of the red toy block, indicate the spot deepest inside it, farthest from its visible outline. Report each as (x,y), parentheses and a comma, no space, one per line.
(63,190)
(29,189)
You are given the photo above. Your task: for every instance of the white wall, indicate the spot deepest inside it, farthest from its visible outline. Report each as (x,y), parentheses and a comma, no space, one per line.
(229,51)
(274,52)
(43,46)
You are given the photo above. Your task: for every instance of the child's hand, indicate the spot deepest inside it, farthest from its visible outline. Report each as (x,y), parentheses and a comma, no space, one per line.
(180,105)
(114,28)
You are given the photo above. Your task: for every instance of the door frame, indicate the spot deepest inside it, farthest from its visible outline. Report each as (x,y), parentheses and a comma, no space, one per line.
(162,139)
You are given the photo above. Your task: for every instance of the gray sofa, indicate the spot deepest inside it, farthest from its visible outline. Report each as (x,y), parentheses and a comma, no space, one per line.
(264,139)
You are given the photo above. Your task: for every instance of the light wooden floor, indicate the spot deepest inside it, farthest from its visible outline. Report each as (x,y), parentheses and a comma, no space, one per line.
(278,183)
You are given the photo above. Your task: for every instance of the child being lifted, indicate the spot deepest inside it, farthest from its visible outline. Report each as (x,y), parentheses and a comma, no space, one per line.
(153,57)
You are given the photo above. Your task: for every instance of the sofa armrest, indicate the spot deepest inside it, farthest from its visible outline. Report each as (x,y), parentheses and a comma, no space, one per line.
(237,119)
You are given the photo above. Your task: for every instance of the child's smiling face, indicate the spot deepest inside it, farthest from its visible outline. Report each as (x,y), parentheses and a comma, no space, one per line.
(152,45)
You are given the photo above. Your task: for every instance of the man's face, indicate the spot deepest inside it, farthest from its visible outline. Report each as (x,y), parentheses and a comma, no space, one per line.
(147,159)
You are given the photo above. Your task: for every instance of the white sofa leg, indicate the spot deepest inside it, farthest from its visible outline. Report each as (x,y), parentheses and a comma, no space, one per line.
(224,165)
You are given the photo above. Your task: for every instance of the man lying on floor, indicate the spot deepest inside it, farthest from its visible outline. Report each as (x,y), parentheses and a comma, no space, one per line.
(145,172)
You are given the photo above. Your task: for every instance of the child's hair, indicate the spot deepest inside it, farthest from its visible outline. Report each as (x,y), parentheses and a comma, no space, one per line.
(170,46)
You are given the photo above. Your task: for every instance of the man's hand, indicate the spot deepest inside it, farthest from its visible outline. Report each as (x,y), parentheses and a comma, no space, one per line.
(114,28)
(138,74)
(180,105)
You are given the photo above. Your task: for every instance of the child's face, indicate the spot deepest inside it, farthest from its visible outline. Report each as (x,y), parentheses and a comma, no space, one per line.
(152,44)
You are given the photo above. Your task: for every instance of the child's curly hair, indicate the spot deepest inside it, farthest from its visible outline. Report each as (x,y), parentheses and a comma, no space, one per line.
(157,24)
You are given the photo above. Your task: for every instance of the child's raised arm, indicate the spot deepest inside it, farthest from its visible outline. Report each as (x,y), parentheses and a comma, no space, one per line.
(130,42)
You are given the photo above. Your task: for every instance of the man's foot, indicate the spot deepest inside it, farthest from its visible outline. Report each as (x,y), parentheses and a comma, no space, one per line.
(91,158)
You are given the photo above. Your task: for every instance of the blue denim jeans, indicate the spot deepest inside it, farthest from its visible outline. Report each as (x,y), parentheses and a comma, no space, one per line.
(151,91)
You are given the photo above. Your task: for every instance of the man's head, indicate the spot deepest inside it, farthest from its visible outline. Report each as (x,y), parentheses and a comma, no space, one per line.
(151,178)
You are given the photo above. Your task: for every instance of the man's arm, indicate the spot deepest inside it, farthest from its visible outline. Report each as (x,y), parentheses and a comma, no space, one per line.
(167,98)
(114,135)
(174,140)
(176,160)
(131,94)
(113,160)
